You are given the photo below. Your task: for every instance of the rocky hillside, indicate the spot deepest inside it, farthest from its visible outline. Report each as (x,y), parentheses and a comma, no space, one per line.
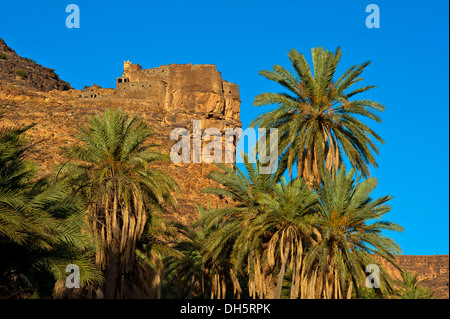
(19,71)
(57,113)
(433,270)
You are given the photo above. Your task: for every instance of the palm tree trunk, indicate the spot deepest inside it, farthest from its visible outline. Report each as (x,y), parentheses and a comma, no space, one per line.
(112,273)
(277,292)
(191,290)
(350,289)
(284,258)
(296,279)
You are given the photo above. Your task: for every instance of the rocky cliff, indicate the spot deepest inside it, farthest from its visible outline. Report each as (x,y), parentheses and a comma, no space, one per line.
(19,71)
(167,97)
(432,269)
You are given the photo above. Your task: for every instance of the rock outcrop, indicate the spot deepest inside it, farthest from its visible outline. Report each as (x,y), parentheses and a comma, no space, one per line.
(432,269)
(25,72)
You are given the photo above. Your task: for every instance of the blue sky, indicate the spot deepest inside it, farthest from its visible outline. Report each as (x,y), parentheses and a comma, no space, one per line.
(409,54)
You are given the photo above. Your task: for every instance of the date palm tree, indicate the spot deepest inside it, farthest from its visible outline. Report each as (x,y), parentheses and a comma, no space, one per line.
(112,168)
(287,222)
(234,235)
(350,226)
(267,232)
(40,226)
(317,120)
(200,275)
(410,288)
(146,278)
(185,275)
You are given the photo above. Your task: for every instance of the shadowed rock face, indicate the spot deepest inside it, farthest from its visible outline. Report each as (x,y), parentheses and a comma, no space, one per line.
(25,72)
(433,269)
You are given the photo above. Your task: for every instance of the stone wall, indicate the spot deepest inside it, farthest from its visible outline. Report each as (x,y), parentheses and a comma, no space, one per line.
(176,87)
(147,90)
(433,269)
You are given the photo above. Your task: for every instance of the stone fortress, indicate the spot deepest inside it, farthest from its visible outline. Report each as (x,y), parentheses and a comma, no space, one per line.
(196,89)
(168,83)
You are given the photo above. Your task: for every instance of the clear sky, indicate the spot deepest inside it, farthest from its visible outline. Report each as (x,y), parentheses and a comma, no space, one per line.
(409,54)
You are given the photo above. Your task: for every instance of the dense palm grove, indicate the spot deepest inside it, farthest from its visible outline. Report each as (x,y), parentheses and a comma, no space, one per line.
(304,235)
